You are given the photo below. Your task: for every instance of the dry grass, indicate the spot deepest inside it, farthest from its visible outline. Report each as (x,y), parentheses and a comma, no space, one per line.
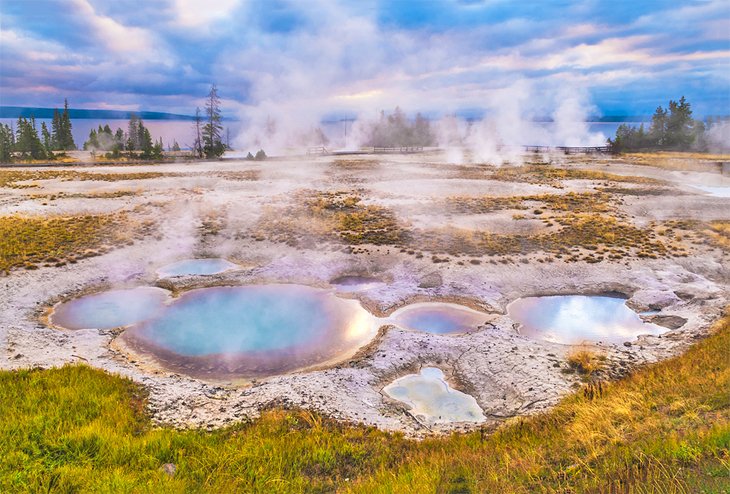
(237,175)
(29,242)
(542,174)
(585,361)
(12,178)
(213,222)
(583,227)
(677,160)
(355,165)
(586,237)
(719,234)
(484,204)
(115,194)
(576,202)
(338,216)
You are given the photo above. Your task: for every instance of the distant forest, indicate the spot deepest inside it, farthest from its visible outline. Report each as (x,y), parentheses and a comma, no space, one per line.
(395,130)
(25,143)
(672,129)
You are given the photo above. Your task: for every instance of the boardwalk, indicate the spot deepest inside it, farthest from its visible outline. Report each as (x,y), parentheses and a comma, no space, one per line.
(323,151)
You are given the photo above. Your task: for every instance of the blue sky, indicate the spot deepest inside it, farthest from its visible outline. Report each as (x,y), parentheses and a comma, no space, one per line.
(317,57)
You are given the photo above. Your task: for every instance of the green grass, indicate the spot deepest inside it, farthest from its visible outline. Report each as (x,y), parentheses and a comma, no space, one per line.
(664,429)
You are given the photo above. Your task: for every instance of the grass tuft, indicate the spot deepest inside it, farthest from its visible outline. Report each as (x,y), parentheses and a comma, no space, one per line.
(585,361)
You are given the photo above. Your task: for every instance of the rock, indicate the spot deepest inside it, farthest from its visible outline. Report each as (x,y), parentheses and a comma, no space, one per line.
(671,322)
(431,280)
(169,469)
(627,344)
(652,299)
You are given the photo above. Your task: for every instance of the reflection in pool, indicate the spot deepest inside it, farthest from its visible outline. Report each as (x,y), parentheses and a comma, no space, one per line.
(250,331)
(714,191)
(110,309)
(573,319)
(438,318)
(195,267)
(433,400)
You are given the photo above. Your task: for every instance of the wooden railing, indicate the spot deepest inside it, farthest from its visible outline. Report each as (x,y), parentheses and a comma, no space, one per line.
(567,149)
(317,151)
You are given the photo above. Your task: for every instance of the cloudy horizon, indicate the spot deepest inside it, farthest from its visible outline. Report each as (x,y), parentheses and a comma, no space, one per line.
(282,67)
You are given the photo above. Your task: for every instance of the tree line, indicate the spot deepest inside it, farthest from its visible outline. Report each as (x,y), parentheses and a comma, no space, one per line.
(395,130)
(137,138)
(25,142)
(207,141)
(670,129)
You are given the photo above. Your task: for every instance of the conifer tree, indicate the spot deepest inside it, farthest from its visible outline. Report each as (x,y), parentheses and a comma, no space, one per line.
(133,141)
(212,144)
(56,130)
(27,142)
(119,139)
(198,130)
(658,129)
(7,143)
(67,138)
(47,141)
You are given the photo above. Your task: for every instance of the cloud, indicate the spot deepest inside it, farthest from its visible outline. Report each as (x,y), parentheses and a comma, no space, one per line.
(199,14)
(120,39)
(294,62)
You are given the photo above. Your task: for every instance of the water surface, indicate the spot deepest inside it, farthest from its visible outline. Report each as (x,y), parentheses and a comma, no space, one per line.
(255,330)
(572,319)
(438,318)
(433,400)
(714,191)
(110,309)
(189,267)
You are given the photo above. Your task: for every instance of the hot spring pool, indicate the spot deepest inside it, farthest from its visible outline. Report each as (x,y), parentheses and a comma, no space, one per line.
(715,191)
(573,319)
(110,309)
(430,396)
(250,331)
(438,318)
(189,267)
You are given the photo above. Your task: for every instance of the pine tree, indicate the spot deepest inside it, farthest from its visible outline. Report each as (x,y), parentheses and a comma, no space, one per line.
(680,131)
(119,139)
(670,129)
(145,141)
(212,144)
(133,142)
(157,149)
(198,129)
(47,141)
(7,143)
(27,142)
(658,129)
(93,143)
(56,130)
(67,138)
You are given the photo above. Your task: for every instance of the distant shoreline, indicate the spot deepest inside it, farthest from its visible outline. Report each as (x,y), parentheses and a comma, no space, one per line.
(83,114)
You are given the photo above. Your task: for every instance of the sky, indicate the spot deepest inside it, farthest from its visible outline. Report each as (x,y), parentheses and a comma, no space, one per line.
(315,58)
